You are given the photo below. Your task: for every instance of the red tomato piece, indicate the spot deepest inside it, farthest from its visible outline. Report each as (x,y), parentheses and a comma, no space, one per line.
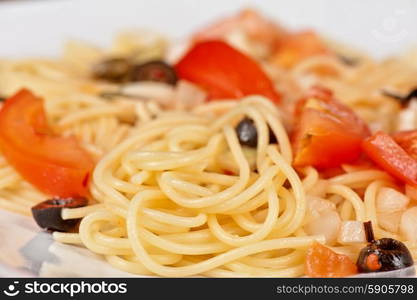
(323,262)
(224,72)
(251,22)
(55,165)
(408,141)
(388,155)
(297,47)
(326,132)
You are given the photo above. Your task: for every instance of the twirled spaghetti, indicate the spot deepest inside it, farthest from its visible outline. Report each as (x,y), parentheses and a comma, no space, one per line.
(167,208)
(167,186)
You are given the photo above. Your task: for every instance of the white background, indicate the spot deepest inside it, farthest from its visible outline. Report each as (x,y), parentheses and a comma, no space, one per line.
(39,27)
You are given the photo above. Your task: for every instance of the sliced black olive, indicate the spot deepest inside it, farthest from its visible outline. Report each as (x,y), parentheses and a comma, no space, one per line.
(248,135)
(381,255)
(403,99)
(156,70)
(2,99)
(47,214)
(112,69)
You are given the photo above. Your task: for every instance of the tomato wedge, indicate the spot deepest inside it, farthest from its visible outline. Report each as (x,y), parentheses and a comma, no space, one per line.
(326,132)
(224,72)
(298,46)
(387,154)
(408,141)
(323,262)
(254,25)
(55,165)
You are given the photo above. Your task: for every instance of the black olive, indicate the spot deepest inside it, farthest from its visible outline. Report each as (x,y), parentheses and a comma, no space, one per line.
(246,132)
(248,135)
(272,137)
(156,70)
(112,69)
(47,214)
(403,99)
(381,255)
(385,254)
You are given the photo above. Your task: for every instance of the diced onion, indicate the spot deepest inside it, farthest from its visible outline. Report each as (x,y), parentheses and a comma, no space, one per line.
(327,224)
(351,232)
(317,205)
(390,200)
(390,221)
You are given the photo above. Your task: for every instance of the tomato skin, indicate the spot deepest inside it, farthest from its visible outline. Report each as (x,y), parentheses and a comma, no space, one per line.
(298,46)
(224,72)
(50,178)
(323,262)
(56,165)
(387,154)
(251,22)
(408,141)
(326,133)
(327,146)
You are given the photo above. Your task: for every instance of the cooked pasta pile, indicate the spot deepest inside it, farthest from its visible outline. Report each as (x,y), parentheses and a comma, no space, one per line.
(174,193)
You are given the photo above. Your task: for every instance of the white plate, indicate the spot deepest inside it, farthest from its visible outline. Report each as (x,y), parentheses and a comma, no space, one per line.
(26,251)
(381,27)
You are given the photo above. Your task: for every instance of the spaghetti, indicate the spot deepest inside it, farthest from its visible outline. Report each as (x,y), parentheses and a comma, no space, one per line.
(175,193)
